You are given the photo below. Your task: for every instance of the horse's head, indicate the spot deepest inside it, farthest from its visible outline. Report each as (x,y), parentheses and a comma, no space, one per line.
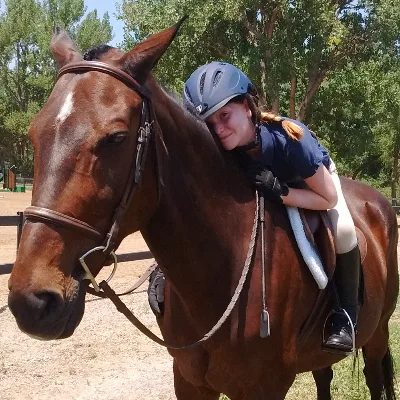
(88,149)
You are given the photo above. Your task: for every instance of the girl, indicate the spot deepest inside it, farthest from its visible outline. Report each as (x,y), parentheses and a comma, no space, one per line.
(277,151)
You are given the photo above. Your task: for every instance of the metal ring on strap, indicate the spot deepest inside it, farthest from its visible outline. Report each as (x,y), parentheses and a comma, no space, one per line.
(89,275)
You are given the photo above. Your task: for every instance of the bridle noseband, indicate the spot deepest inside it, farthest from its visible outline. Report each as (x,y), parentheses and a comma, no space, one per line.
(108,240)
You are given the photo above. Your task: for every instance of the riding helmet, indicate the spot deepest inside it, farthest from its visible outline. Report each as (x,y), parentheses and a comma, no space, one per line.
(212,85)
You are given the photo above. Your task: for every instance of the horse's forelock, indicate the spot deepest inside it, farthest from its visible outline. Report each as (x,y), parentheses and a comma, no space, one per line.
(97,52)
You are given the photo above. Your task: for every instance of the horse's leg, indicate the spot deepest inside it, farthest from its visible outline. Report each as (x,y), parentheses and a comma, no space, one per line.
(185,391)
(378,368)
(323,378)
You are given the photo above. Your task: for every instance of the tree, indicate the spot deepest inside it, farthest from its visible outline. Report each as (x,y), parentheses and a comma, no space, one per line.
(27,69)
(288,48)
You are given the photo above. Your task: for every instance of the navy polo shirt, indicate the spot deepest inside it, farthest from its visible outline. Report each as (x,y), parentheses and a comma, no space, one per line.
(290,159)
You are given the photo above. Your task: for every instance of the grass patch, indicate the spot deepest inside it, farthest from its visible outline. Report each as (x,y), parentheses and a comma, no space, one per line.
(345,385)
(397,312)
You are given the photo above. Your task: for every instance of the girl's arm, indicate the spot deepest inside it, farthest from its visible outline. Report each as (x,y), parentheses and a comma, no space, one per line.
(321,194)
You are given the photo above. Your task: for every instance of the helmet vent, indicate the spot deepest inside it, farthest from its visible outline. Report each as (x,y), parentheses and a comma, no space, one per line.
(217,78)
(188,95)
(202,79)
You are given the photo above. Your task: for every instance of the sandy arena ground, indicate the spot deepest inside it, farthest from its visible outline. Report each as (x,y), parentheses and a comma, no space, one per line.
(106,358)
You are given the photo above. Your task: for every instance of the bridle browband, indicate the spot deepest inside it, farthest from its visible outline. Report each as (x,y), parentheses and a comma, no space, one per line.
(108,240)
(80,67)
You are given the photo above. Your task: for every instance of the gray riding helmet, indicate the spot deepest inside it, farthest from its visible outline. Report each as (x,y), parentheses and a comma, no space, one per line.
(212,85)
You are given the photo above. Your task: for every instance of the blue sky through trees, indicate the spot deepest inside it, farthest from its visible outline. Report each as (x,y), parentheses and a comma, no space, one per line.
(103,6)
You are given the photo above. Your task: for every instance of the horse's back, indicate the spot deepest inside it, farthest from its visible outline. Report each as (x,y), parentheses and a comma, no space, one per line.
(369,207)
(375,216)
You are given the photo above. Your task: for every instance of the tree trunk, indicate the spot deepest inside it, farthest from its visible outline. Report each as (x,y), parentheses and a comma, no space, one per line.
(313,85)
(262,91)
(275,106)
(395,170)
(292,100)
(268,30)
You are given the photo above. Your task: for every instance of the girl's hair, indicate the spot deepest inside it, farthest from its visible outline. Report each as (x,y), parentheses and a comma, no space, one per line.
(293,130)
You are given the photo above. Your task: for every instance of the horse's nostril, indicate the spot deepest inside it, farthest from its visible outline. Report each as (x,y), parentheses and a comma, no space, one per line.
(50,304)
(43,305)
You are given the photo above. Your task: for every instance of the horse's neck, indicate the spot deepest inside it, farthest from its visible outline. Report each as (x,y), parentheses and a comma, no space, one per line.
(203,224)
(196,165)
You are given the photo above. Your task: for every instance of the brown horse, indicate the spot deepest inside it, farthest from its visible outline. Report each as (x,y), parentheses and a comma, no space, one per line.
(195,209)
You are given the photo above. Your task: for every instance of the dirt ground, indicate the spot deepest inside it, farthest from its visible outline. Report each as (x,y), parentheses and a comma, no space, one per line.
(105,359)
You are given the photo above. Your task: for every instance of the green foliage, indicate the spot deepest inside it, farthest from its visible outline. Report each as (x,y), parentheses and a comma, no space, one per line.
(334,65)
(272,41)
(93,32)
(356,113)
(27,68)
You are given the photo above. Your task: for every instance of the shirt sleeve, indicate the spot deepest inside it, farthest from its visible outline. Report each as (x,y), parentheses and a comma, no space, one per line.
(304,155)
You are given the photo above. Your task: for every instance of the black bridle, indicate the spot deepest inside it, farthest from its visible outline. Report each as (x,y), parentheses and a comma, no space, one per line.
(146,129)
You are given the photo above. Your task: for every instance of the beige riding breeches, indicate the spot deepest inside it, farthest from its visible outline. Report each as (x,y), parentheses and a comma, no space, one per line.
(344,230)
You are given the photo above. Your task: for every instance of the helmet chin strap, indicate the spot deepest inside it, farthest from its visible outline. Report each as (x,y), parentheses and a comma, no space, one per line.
(255,117)
(252,144)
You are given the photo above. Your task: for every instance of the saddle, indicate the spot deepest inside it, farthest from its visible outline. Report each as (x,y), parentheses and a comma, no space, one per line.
(318,229)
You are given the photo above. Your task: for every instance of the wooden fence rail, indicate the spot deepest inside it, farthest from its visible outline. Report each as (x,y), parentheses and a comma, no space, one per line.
(14,220)
(18,220)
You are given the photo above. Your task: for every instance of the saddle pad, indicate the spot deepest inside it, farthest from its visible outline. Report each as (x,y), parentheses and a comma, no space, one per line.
(307,249)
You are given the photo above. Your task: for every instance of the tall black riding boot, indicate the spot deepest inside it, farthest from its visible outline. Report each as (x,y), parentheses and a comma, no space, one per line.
(347,279)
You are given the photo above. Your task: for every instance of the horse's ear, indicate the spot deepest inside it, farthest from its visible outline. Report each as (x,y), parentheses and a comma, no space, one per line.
(143,58)
(63,48)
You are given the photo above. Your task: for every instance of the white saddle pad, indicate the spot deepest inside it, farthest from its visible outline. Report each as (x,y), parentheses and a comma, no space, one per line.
(307,249)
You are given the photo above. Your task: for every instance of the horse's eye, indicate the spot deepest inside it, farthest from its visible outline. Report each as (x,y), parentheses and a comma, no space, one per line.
(117,137)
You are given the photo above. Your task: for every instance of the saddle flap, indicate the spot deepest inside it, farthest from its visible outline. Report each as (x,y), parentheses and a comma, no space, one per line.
(318,229)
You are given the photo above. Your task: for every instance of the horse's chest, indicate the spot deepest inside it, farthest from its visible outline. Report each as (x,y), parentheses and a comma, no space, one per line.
(220,370)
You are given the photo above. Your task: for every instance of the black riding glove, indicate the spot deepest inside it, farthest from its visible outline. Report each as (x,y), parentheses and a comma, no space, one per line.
(155,292)
(264,180)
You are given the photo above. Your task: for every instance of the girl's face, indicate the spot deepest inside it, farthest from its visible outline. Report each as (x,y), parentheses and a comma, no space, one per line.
(233,125)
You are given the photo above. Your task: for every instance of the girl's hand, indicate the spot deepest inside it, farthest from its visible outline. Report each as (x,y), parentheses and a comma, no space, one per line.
(265,181)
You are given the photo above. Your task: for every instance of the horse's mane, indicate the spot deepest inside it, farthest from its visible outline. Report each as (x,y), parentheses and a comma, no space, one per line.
(198,136)
(217,170)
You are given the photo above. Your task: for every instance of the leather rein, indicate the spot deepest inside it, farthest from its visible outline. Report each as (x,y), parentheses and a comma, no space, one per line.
(145,133)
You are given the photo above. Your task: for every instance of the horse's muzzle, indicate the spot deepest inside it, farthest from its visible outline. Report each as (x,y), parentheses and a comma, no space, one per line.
(45,314)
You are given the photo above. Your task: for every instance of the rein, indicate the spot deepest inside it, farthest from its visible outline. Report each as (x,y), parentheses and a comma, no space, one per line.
(122,308)
(145,134)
